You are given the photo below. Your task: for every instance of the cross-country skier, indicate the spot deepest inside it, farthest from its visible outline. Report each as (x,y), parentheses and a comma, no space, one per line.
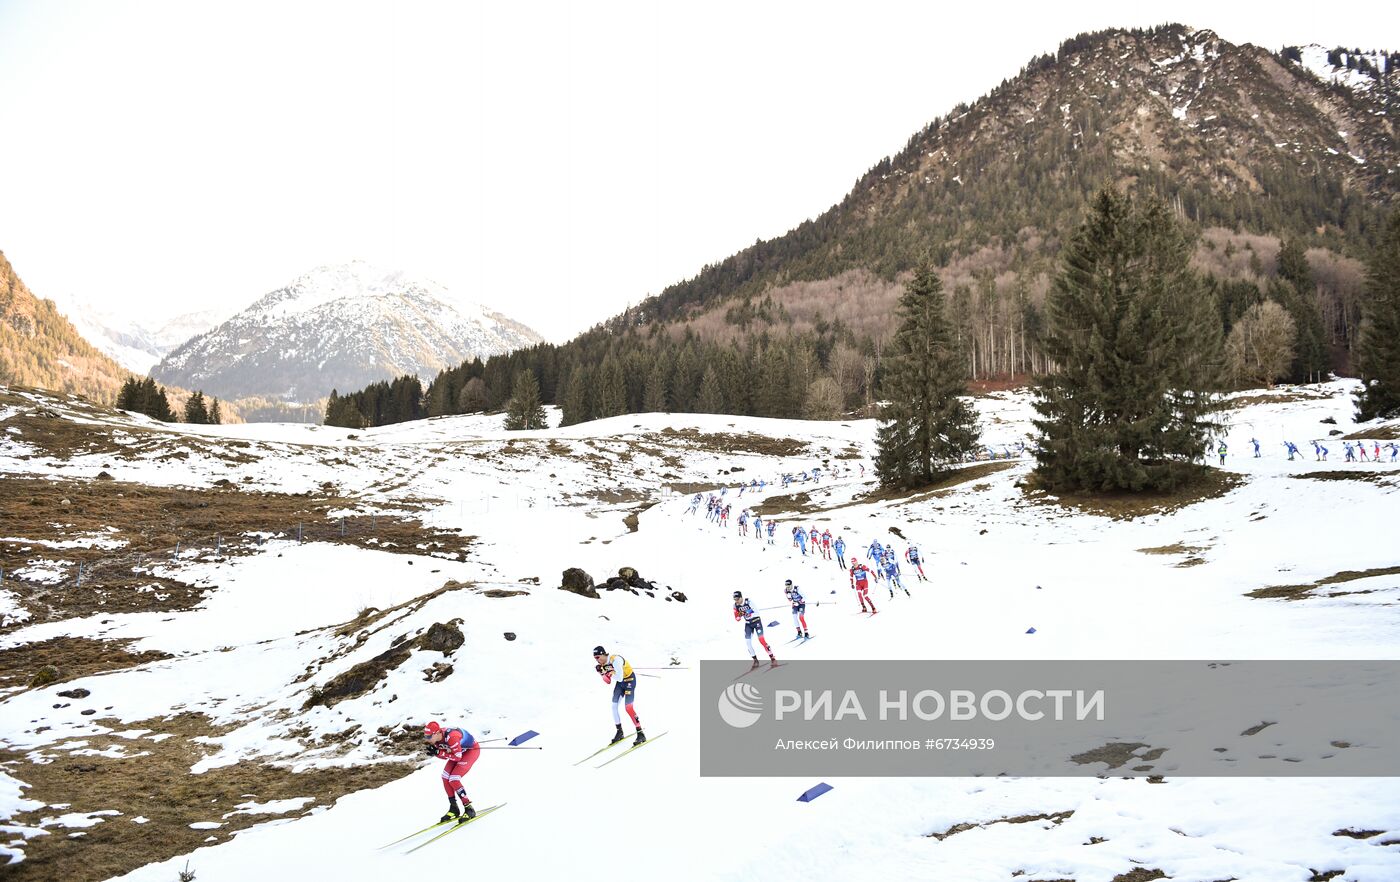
(753,624)
(840,547)
(615,668)
(799,608)
(1221,451)
(826,544)
(460,749)
(1288,445)
(816,539)
(1361,450)
(1350,456)
(758,527)
(1255,442)
(799,538)
(860,581)
(772,525)
(1319,451)
(1394,449)
(911,554)
(892,574)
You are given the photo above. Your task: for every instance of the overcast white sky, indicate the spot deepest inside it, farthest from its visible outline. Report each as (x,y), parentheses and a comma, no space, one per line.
(553,161)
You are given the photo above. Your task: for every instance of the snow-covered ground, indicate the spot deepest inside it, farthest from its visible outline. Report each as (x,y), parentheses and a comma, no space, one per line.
(270,635)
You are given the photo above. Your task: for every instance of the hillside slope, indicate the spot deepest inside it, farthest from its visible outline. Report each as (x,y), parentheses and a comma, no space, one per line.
(1233,135)
(39,347)
(201,741)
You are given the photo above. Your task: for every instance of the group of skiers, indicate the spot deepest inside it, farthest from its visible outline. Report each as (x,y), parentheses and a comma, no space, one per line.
(460,749)
(1355,452)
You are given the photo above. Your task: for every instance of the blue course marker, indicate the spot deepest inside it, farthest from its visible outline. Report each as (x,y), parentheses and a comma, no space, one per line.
(809,795)
(523,737)
(773,624)
(1030,630)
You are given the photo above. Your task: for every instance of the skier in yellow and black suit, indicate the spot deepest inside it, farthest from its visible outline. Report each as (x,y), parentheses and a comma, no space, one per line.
(618,672)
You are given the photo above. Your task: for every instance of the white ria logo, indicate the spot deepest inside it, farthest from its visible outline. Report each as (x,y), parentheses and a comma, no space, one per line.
(741,705)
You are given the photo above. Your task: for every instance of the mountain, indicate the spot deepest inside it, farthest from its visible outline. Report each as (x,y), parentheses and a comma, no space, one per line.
(1299,143)
(1250,148)
(339,327)
(39,347)
(133,345)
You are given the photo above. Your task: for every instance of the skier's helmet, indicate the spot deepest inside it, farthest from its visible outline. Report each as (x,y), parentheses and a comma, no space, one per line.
(738,595)
(432,729)
(854,561)
(787,582)
(598,650)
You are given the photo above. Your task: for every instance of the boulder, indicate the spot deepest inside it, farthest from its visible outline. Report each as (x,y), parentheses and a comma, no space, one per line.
(510,635)
(74,693)
(44,676)
(442,638)
(578,582)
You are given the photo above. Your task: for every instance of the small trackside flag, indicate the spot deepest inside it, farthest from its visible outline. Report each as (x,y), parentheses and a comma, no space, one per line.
(773,624)
(523,737)
(1030,630)
(809,795)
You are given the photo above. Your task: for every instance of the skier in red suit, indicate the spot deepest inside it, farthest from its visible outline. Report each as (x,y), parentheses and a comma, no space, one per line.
(460,749)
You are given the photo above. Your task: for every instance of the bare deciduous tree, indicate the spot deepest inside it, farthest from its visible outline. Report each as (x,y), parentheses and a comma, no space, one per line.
(1260,346)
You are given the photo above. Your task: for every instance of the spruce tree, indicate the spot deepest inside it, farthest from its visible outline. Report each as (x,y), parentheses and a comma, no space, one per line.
(195,411)
(654,397)
(610,394)
(1297,293)
(925,425)
(710,398)
(157,404)
(1378,356)
(523,410)
(216,417)
(577,404)
(1137,344)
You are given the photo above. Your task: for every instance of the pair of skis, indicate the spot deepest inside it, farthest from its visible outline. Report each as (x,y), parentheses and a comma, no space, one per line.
(620,755)
(456,824)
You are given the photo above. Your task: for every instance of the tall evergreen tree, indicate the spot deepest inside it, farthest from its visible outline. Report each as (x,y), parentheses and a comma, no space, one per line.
(1378,356)
(577,403)
(610,394)
(216,416)
(156,402)
(1297,293)
(924,424)
(710,398)
(195,411)
(1137,343)
(654,397)
(523,410)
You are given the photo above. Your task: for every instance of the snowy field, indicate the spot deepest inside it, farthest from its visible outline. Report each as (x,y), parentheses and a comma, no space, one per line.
(273,630)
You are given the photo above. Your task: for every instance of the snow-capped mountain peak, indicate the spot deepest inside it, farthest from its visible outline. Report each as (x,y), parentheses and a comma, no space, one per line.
(340,326)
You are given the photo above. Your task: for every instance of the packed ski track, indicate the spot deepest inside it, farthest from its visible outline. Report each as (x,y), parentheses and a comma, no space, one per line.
(285,619)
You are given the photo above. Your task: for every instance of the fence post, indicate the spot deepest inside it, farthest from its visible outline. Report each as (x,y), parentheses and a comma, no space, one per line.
(342,525)
(80,574)
(298,532)
(177,548)
(218,543)
(373,522)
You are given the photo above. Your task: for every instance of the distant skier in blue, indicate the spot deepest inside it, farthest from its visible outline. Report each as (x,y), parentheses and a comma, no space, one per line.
(1255,442)
(840,547)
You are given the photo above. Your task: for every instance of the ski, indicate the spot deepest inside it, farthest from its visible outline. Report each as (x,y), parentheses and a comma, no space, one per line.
(600,750)
(456,826)
(629,750)
(417,833)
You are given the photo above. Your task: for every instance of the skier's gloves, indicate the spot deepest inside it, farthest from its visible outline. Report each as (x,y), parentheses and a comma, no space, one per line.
(598,668)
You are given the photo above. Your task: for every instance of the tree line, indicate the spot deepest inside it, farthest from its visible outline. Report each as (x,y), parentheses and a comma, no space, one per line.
(146,397)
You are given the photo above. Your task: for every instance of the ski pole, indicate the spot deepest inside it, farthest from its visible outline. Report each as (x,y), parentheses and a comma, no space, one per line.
(667,668)
(509,747)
